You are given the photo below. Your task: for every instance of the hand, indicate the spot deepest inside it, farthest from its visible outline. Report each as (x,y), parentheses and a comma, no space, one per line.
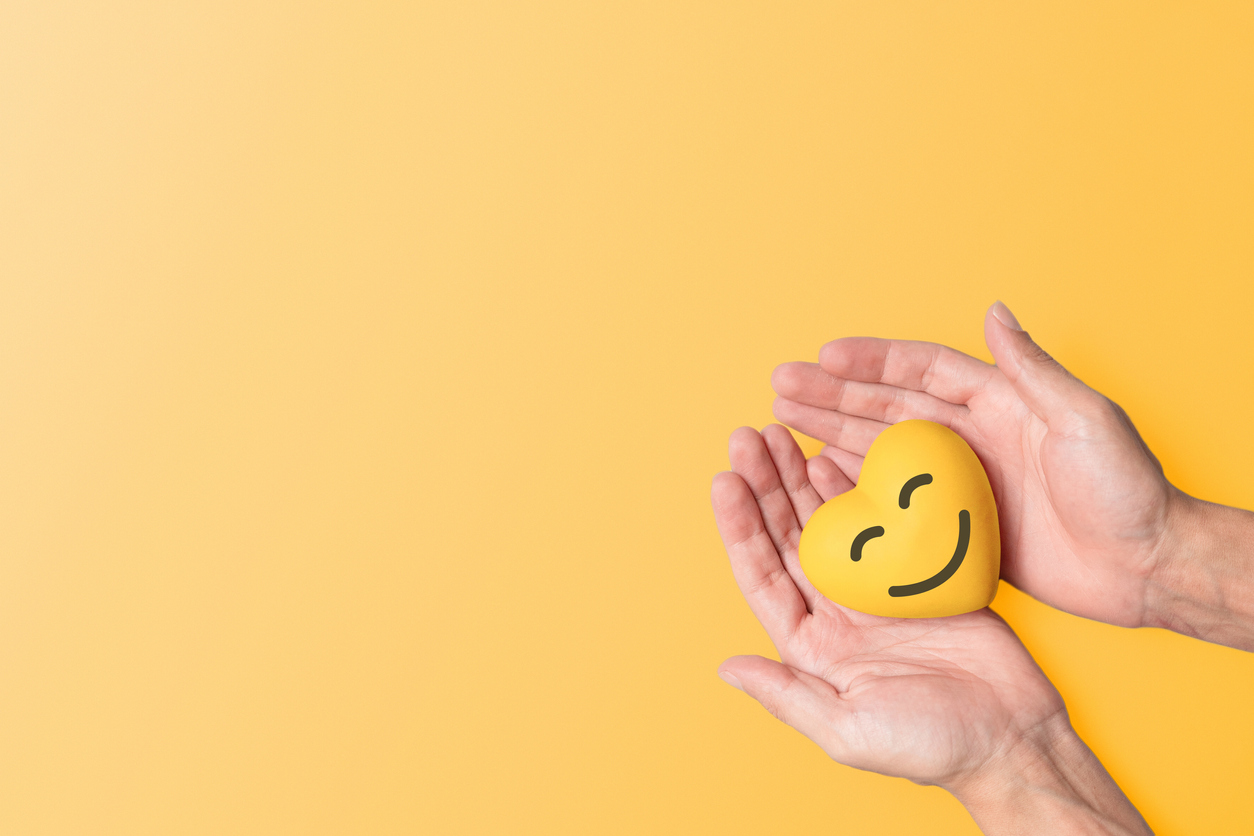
(955,701)
(1084,506)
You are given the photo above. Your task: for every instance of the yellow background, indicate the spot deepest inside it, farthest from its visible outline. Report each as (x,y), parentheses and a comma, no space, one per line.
(363,368)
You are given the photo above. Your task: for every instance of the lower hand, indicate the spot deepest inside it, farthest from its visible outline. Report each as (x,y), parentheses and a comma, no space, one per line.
(954,701)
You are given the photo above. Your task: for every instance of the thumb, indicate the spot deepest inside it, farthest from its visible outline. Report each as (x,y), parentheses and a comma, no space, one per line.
(805,702)
(1049,390)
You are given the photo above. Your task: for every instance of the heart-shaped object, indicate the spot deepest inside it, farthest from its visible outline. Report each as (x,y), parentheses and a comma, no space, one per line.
(917,537)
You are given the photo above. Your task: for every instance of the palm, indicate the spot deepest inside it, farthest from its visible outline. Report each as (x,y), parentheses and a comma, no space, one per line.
(936,697)
(1082,502)
(927,699)
(1082,508)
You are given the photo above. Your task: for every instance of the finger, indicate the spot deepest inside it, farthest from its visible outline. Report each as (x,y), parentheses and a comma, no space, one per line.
(848,432)
(756,565)
(790,464)
(826,477)
(807,383)
(1049,390)
(807,703)
(923,367)
(850,464)
(751,459)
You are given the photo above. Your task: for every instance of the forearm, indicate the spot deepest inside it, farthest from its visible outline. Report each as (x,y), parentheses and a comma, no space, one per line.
(1049,781)
(1203,583)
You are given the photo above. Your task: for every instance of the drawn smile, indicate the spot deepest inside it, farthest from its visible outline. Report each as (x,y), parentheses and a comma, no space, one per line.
(960,551)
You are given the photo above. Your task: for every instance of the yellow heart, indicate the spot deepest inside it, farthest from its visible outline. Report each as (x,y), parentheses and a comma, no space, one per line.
(917,537)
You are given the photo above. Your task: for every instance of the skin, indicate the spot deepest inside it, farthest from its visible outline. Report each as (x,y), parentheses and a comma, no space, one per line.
(1089,523)
(956,702)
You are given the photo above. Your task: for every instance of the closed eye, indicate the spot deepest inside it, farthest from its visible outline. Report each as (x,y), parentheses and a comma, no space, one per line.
(855,551)
(908,488)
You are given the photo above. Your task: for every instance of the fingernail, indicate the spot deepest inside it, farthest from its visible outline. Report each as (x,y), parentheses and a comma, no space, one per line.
(730,680)
(1005,317)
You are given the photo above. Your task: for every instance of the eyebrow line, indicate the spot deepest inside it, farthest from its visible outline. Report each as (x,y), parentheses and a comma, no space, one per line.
(913,482)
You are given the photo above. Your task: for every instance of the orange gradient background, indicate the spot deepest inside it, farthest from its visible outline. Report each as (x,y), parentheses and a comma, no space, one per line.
(363,368)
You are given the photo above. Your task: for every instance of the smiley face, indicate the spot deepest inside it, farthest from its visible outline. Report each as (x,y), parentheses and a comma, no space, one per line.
(917,537)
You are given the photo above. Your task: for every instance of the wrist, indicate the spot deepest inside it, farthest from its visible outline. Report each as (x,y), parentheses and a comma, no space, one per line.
(1047,781)
(1202,584)
(1183,535)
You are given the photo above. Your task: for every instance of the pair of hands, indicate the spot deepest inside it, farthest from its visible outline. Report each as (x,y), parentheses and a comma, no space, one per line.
(1085,512)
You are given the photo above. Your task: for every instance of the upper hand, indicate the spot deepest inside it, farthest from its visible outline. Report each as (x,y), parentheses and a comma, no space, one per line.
(1083,504)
